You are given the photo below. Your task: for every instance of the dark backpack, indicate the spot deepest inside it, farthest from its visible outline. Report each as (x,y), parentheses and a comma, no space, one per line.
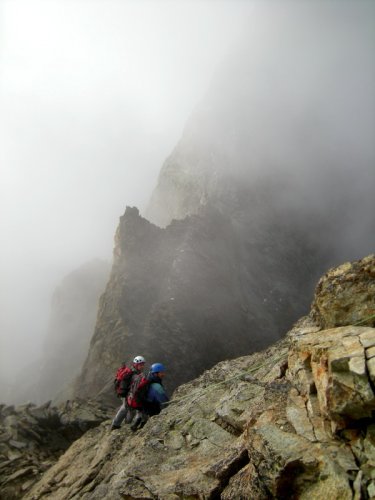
(138,391)
(122,381)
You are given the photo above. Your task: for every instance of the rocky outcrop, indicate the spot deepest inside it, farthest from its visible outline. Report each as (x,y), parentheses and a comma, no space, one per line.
(196,292)
(294,421)
(250,428)
(341,290)
(33,437)
(337,368)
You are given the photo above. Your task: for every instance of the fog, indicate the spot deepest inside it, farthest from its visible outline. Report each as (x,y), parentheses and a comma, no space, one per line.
(94,95)
(295,103)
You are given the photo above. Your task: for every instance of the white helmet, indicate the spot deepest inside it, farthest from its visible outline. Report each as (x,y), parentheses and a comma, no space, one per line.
(138,359)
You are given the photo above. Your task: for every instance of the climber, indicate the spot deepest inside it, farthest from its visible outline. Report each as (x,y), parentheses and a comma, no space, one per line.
(154,399)
(124,412)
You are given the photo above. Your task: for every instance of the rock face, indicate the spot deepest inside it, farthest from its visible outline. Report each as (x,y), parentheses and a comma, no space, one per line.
(72,320)
(341,290)
(294,421)
(33,437)
(73,314)
(195,292)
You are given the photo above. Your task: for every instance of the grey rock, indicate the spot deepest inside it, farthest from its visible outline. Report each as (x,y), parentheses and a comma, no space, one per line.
(17,444)
(275,424)
(42,436)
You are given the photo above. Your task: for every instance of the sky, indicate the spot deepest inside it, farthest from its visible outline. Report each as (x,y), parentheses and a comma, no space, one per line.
(94,95)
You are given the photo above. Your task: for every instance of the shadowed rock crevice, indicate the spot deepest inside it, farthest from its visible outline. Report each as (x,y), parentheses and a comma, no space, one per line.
(227,426)
(226,469)
(295,478)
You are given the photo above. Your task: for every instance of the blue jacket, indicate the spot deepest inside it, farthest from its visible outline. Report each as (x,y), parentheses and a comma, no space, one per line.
(156,397)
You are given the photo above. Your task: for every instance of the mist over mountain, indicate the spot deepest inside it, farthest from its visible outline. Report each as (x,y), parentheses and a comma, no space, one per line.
(270,184)
(71,322)
(294,107)
(93,96)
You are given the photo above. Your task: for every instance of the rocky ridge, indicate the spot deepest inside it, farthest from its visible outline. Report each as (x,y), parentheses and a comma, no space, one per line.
(201,290)
(32,438)
(258,198)
(294,421)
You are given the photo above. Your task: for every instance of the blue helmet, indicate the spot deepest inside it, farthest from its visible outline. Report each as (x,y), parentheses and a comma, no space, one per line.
(157,367)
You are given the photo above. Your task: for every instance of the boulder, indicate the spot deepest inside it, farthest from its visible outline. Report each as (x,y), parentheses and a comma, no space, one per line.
(345,295)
